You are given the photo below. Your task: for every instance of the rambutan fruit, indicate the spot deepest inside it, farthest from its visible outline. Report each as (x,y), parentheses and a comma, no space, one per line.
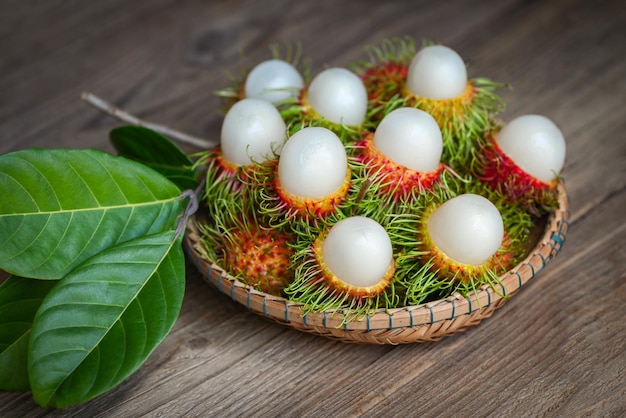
(259,257)
(437,83)
(403,155)
(336,100)
(464,236)
(346,266)
(339,96)
(278,80)
(523,160)
(252,131)
(472,238)
(384,73)
(308,181)
(274,80)
(434,80)
(254,253)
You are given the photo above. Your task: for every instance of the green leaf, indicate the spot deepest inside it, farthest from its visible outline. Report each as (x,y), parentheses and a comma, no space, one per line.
(100,322)
(60,207)
(19,300)
(157,152)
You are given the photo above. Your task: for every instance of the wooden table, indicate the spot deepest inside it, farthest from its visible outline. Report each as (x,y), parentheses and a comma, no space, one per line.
(555,349)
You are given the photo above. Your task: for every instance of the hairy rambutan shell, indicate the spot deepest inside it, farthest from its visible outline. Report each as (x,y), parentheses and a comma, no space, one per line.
(437,72)
(358,251)
(259,257)
(535,144)
(252,130)
(273,80)
(467,228)
(313,163)
(339,96)
(410,137)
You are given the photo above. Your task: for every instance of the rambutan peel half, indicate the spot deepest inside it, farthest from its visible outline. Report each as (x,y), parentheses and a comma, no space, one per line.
(446,112)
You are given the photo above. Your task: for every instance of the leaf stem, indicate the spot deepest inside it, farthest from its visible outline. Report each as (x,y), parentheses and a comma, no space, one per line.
(124,116)
(191,208)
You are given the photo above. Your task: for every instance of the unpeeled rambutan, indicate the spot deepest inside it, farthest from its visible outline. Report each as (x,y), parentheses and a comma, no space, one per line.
(259,257)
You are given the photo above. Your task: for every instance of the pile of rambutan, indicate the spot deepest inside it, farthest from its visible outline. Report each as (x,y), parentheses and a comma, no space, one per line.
(387,183)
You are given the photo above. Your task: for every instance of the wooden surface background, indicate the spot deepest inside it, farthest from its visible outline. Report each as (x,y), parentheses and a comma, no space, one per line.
(555,349)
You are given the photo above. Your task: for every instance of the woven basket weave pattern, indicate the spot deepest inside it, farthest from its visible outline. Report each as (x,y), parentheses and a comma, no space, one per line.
(421,323)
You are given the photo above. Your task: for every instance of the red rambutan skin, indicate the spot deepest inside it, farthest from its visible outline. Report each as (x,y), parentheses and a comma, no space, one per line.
(384,80)
(503,175)
(394,179)
(355,293)
(260,257)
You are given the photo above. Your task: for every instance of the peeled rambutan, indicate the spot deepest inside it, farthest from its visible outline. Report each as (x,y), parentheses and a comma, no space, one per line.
(348,265)
(339,96)
(523,160)
(335,99)
(274,80)
(309,180)
(252,131)
(463,238)
(403,155)
(278,80)
(436,81)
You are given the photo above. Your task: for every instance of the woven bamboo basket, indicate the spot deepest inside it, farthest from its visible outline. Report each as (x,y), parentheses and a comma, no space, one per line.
(426,322)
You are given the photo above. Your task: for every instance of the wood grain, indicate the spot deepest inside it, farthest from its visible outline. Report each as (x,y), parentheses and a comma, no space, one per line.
(556,349)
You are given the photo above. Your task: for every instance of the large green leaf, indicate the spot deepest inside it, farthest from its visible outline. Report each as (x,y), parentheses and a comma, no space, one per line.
(101,321)
(59,207)
(157,152)
(19,300)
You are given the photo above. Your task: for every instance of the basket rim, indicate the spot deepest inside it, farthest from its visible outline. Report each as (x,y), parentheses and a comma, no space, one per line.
(486,298)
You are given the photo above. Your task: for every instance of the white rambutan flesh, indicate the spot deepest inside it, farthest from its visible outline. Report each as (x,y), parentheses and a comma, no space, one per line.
(410,137)
(273,80)
(339,96)
(357,250)
(313,163)
(437,72)
(252,130)
(535,144)
(467,228)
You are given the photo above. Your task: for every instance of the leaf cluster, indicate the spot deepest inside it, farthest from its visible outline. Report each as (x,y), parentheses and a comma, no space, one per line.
(92,243)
